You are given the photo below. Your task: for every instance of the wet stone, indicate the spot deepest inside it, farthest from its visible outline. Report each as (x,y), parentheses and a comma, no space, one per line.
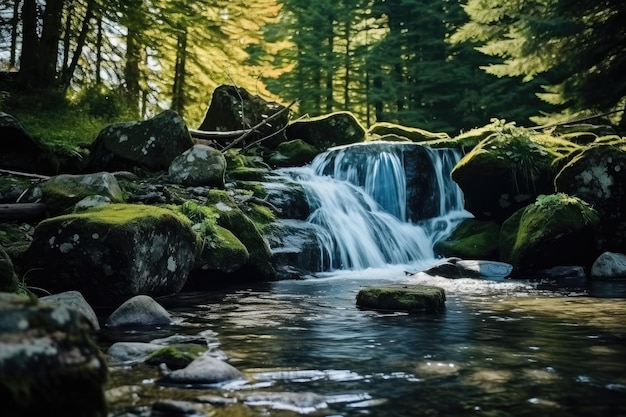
(409,298)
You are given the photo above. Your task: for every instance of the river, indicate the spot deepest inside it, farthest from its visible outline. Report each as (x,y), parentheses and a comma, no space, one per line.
(501,348)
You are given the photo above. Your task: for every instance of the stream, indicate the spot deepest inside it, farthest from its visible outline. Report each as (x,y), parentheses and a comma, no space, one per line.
(502,348)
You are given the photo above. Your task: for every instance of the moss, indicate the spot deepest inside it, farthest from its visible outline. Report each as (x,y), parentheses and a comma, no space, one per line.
(176,356)
(256,188)
(247,174)
(293,153)
(472,239)
(553,221)
(411,298)
(117,214)
(412,133)
(12,187)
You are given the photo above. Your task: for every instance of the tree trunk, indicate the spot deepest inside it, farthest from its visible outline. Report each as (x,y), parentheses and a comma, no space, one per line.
(178,91)
(49,43)
(68,74)
(99,51)
(14,26)
(30,45)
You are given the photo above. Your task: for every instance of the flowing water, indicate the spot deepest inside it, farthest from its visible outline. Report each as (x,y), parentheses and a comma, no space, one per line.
(500,348)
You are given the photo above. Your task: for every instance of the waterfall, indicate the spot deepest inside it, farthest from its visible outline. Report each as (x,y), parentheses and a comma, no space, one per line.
(380,203)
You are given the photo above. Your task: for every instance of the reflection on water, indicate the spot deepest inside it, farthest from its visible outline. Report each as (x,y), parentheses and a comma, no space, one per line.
(499,349)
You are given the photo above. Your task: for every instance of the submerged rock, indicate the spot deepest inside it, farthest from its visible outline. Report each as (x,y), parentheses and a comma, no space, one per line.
(409,298)
(205,370)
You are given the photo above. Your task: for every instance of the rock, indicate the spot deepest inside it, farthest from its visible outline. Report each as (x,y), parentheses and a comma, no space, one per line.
(556,230)
(410,298)
(75,300)
(176,356)
(561,272)
(412,133)
(130,353)
(113,253)
(295,248)
(233,108)
(62,192)
(49,362)
(458,268)
(298,402)
(173,408)
(598,176)
(151,144)
(609,265)
(232,218)
(199,165)
(205,370)
(471,239)
(323,132)
(139,311)
(218,248)
(9,281)
(517,165)
(12,188)
(293,153)
(19,151)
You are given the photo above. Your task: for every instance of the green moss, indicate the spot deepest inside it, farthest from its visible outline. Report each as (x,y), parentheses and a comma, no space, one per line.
(412,133)
(117,214)
(552,218)
(472,239)
(411,298)
(176,356)
(247,174)
(256,188)
(294,153)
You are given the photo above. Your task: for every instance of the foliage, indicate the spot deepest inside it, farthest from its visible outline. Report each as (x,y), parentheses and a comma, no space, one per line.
(579,44)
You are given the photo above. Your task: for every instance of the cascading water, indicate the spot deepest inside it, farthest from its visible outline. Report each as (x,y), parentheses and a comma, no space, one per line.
(363,203)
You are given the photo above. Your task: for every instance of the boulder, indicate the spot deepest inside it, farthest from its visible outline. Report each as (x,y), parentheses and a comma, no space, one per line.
(412,133)
(218,248)
(176,356)
(293,153)
(471,239)
(516,163)
(151,144)
(230,216)
(139,311)
(455,268)
(113,253)
(323,132)
(75,300)
(49,362)
(199,165)
(556,230)
(409,298)
(130,353)
(61,193)
(598,176)
(233,108)
(19,151)
(609,265)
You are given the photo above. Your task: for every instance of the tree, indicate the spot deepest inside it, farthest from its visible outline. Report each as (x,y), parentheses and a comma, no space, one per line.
(579,44)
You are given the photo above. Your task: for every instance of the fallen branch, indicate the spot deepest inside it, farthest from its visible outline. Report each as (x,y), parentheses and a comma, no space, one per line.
(215,135)
(22,211)
(254,128)
(582,119)
(24,174)
(256,142)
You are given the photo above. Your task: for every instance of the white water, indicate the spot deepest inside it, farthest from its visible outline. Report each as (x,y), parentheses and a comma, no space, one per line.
(361,210)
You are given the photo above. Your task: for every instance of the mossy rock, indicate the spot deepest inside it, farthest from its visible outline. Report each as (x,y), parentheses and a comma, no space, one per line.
(176,356)
(557,229)
(9,281)
(412,133)
(11,188)
(62,192)
(112,253)
(472,239)
(409,298)
(516,164)
(247,174)
(339,128)
(231,217)
(293,153)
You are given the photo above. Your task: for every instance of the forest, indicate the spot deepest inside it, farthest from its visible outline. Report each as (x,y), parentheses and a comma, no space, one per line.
(440,65)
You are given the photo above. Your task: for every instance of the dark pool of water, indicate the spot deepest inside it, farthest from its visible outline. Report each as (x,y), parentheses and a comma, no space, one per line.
(499,349)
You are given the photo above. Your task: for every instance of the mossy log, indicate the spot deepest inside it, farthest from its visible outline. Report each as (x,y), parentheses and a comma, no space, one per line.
(22,211)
